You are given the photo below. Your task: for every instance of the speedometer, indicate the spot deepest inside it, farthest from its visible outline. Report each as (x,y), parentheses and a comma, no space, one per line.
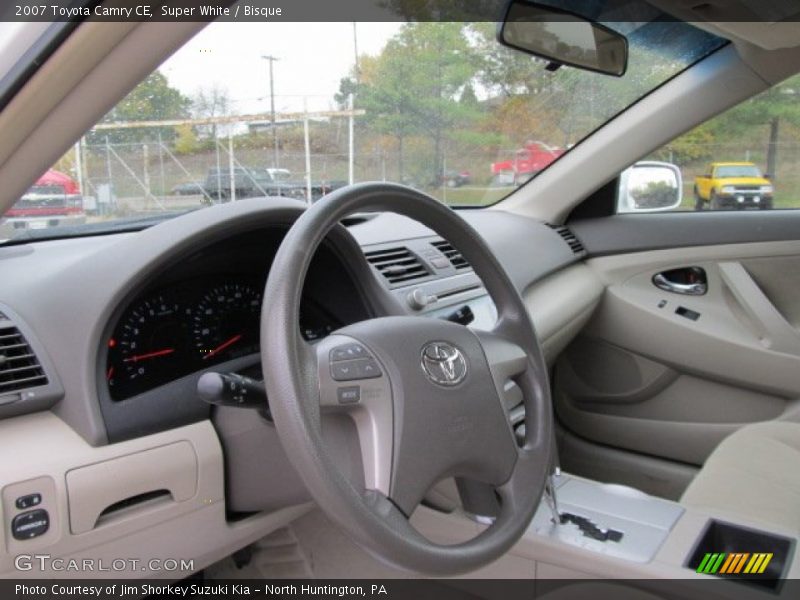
(226,322)
(147,346)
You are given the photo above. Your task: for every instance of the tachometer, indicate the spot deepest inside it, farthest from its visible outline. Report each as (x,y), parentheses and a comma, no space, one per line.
(226,322)
(147,346)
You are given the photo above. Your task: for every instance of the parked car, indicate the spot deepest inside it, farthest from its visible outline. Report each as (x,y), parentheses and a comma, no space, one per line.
(527,162)
(55,199)
(247,182)
(191,188)
(250,182)
(732,185)
(454,179)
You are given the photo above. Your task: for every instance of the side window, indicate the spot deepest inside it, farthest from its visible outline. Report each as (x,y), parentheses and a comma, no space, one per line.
(747,158)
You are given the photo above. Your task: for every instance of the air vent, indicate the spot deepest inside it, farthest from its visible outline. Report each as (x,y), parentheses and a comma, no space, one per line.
(397,265)
(453,255)
(19,367)
(573,242)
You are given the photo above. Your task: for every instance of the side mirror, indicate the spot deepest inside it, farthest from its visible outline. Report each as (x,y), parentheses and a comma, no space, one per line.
(563,38)
(650,186)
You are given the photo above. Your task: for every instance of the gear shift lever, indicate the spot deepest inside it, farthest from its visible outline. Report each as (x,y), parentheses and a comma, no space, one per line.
(551,497)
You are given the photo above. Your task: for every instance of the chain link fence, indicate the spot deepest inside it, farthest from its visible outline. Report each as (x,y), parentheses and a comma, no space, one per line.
(128,179)
(123,179)
(134,178)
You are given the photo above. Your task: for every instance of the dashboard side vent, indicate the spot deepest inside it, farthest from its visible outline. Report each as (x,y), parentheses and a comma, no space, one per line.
(20,369)
(453,255)
(397,265)
(572,241)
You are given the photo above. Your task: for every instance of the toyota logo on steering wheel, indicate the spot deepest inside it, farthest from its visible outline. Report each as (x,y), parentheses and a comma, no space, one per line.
(443,363)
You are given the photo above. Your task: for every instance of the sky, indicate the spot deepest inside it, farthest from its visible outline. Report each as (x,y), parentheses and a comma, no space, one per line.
(313,57)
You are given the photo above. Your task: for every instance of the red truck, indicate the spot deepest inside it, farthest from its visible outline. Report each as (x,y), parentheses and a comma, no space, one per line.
(54,200)
(527,162)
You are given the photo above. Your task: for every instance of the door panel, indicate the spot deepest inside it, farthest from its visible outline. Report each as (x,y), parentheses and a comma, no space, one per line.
(663,377)
(779,279)
(619,234)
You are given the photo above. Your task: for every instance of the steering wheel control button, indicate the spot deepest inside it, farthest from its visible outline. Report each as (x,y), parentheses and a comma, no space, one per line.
(349,395)
(367,368)
(351,370)
(344,371)
(348,352)
(443,363)
(31,524)
(28,501)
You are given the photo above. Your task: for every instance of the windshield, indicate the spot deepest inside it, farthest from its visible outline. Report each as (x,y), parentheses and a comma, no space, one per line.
(255,109)
(730,171)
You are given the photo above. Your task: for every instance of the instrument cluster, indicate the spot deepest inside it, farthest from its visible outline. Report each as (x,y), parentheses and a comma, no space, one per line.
(188,327)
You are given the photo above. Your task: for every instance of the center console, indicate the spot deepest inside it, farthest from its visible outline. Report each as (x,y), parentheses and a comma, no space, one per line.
(608,530)
(608,519)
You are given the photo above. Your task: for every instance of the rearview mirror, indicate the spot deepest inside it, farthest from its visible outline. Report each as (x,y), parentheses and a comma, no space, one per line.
(563,38)
(650,186)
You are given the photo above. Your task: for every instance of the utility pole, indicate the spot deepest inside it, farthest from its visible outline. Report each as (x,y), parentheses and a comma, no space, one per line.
(79,165)
(271,60)
(355,48)
(308,152)
(351,106)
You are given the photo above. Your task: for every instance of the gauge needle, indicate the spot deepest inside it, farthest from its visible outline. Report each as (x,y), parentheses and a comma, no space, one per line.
(139,357)
(223,345)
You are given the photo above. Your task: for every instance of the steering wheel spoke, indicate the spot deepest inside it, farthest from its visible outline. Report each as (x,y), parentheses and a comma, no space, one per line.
(352,380)
(507,361)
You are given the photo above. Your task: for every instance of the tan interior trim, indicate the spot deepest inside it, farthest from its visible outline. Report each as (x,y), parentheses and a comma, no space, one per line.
(561,304)
(78,482)
(620,267)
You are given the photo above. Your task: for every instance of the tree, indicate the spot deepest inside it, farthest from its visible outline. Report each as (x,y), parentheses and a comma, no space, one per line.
(468,96)
(445,65)
(186,140)
(692,146)
(779,104)
(347,86)
(384,92)
(152,100)
(209,103)
(414,86)
(506,72)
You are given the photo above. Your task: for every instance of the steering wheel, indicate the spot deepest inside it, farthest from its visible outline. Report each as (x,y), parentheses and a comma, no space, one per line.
(426,395)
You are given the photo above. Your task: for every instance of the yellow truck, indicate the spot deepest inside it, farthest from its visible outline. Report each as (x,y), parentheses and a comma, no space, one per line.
(732,185)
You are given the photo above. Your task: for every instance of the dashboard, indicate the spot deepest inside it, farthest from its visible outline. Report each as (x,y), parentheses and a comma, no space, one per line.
(125,341)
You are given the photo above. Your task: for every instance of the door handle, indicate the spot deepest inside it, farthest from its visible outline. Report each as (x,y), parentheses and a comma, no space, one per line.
(690,281)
